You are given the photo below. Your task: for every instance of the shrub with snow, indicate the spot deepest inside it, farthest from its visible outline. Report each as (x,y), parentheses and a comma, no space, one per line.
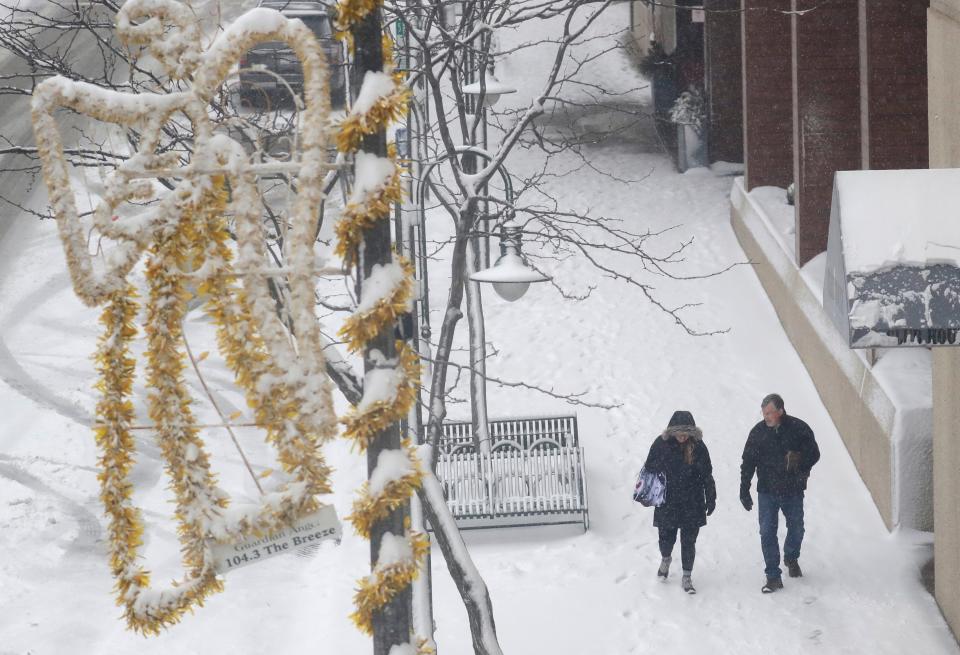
(690,108)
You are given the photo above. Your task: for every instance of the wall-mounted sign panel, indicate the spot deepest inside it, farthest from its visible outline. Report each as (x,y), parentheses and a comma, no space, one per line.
(893,258)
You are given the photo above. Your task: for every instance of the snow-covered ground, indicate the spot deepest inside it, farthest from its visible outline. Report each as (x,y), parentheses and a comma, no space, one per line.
(554,590)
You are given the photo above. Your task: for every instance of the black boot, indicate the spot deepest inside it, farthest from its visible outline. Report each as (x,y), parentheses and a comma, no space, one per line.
(773,584)
(793,568)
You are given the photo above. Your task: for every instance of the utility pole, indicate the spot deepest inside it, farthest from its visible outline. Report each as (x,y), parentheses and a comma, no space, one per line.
(392,623)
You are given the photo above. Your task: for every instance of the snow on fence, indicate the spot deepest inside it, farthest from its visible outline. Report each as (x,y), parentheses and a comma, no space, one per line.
(532,476)
(515,433)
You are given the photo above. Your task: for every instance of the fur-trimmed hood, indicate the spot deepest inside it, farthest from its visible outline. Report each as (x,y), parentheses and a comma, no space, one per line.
(692,430)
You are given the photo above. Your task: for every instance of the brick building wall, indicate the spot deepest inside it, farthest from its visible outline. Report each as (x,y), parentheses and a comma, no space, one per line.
(893,46)
(767,93)
(826,112)
(724,83)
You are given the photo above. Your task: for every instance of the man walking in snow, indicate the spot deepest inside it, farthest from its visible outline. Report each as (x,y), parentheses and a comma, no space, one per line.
(781,449)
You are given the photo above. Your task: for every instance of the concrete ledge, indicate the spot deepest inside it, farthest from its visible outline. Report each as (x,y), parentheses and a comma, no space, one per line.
(943,49)
(864,414)
(949,8)
(946,541)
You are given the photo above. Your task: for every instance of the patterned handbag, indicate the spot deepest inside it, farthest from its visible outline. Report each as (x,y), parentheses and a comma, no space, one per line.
(651,488)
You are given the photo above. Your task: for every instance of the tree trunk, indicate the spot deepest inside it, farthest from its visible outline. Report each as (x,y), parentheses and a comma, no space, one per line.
(478,353)
(473,590)
(392,624)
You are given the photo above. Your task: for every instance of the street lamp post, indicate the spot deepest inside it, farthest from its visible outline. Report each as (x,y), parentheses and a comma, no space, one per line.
(417,240)
(489,89)
(511,276)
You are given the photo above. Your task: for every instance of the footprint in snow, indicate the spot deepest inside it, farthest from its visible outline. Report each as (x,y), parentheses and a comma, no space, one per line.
(809,600)
(623,577)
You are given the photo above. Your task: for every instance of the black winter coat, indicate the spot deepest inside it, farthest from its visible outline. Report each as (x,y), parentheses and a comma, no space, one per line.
(690,487)
(766,453)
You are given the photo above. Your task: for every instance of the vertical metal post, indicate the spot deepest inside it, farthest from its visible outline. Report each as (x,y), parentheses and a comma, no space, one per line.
(475,259)
(487,219)
(408,223)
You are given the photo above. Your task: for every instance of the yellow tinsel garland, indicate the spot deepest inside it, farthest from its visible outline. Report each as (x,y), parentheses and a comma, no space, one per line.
(180,247)
(351,12)
(370,508)
(363,424)
(379,588)
(360,217)
(169,401)
(116,367)
(362,327)
(388,108)
(246,355)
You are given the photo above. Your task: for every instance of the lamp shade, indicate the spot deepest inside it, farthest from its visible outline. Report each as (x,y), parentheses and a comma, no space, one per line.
(510,275)
(494,89)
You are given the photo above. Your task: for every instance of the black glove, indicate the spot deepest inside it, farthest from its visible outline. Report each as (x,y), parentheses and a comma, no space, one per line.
(793,460)
(710,507)
(745,499)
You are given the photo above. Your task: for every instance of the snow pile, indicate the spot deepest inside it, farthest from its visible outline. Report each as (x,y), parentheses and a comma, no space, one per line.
(372,175)
(376,87)
(381,285)
(779,216)
(392,465)
(899,218)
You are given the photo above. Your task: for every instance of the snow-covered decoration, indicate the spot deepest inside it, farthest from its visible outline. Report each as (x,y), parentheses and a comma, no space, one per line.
(144,23)
(387,294)
(396,568)
(389,392)
(376,86)
(376,188)
(185,236)
(351,12)
(396,477)
(390,388)
(382,98)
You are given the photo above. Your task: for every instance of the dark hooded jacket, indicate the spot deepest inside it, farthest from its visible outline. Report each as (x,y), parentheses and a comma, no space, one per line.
(690,487)
(766,453)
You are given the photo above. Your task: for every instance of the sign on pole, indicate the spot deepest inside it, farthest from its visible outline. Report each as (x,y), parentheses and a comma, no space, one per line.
(308,531)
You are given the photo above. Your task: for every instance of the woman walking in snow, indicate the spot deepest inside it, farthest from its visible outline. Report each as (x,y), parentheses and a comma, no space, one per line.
(691,496)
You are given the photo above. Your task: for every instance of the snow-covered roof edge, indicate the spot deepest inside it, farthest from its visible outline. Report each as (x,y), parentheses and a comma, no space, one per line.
(899,218)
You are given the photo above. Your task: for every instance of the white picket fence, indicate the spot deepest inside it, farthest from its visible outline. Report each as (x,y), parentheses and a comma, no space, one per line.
(512,486)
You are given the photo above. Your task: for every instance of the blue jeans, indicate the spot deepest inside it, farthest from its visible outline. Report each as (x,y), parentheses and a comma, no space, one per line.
(769,508)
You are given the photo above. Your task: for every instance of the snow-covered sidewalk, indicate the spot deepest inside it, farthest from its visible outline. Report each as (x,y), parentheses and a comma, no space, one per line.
(554,590)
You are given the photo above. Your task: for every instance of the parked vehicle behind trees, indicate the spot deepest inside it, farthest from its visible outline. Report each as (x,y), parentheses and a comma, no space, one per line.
(269,67)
